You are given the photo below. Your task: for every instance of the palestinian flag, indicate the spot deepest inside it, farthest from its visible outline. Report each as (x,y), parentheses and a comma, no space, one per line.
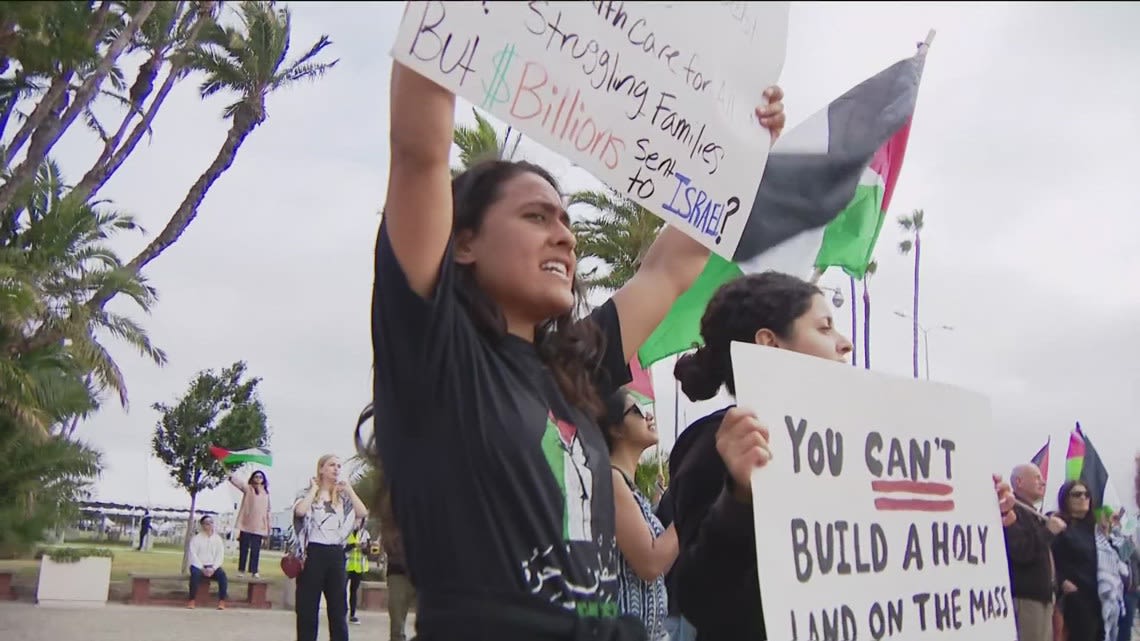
(641,385)
(1083,462)
(1041,460)
(239,457)
(821,200)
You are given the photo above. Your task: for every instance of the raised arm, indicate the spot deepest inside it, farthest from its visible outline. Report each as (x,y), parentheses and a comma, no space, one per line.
(237,482)
(669,268)
(650,556)
(418,208)
(303,504)
(674,261)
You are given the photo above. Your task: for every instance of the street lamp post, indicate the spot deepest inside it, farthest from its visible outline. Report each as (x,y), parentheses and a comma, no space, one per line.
(925,338)
(837,295)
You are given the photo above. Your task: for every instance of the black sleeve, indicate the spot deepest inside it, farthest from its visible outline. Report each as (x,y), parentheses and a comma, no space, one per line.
(1063,560)
(413,337)
(612,369)
(665,508)
(716,569)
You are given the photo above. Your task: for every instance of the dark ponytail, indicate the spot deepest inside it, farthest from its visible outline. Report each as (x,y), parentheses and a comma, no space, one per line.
(703,372)
(738,310)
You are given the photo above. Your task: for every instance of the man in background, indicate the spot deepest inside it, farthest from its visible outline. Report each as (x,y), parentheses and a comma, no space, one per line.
(401,592)
(1028,544)
(144,530)
(207,551)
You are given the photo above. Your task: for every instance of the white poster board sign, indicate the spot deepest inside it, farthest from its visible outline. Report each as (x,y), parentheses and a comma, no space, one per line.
(656,99)
(875,518)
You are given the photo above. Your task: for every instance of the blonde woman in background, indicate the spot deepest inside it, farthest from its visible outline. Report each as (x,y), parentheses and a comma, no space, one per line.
(324,516)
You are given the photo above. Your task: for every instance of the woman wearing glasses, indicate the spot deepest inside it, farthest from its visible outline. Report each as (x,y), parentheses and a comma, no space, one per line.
(646,549)
(1075,557)
(252,520)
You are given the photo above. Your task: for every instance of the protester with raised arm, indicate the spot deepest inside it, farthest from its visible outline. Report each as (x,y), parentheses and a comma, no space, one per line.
(1028,545)
(487,383)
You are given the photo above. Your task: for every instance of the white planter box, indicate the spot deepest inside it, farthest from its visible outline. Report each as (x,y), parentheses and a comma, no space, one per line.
(82,584)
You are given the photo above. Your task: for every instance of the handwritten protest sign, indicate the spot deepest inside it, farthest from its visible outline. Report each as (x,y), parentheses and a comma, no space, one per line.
(656,99)
(876,517)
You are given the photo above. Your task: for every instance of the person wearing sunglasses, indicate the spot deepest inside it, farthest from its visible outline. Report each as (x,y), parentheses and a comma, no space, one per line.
(646,549)
(1075,557)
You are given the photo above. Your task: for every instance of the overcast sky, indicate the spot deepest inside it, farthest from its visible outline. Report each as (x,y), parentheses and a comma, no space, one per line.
(1022,154)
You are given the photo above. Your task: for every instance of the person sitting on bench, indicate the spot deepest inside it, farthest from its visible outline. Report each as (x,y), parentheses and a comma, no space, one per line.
(207,551)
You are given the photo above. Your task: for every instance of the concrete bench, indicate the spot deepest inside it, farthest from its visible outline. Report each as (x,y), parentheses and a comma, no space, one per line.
(257,590)
(6,592)
(375,595)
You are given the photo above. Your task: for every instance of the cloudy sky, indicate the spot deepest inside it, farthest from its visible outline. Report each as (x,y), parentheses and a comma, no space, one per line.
(1022,154)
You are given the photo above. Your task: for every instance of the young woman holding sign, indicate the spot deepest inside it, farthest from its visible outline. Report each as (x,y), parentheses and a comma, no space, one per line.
(712,462)
(486,384)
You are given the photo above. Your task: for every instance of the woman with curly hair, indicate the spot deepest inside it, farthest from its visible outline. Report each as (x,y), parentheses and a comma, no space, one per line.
(712,462)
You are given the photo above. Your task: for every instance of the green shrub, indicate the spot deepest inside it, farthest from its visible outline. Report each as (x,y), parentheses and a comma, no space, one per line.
(73,555)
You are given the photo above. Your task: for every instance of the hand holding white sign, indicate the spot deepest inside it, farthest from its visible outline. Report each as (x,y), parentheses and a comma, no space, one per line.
(871,520)
(742,443)
(656,99)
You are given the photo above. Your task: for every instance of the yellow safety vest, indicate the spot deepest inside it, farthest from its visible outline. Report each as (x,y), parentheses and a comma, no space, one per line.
(356,561)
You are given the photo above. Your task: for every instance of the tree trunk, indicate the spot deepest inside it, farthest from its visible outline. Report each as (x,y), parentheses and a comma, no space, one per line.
(10,106)
(49,132)
(57,90)
(111,158)
(189,534)
(183,216)
(854,327)
(914,314)
(866,325)
(188,209)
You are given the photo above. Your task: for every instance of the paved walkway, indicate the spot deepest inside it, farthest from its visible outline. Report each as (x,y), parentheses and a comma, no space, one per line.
(27,622)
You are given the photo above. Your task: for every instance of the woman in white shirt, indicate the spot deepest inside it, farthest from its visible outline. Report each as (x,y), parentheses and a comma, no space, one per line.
(323,517)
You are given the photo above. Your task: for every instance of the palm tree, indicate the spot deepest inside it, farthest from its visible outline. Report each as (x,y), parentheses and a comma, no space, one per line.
(619,236)
(481,142)
(49,120)
(651,473)
(912,224)
(872,267)
(41,482)
(48,268)
(168,37)
(250,61)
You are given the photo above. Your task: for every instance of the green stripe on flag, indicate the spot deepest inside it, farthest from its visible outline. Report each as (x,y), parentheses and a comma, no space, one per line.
(681,327)
(849,239)
(1073,467)
(248,456)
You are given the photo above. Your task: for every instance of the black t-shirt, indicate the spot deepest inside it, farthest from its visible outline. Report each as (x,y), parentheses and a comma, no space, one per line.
(499,486)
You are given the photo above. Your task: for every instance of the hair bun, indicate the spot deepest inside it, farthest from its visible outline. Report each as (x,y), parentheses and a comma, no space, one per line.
(701,374)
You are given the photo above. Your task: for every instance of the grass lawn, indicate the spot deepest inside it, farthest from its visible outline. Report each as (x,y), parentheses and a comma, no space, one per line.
(156,561)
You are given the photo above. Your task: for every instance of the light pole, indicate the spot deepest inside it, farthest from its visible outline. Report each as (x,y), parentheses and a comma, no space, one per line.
(925,338)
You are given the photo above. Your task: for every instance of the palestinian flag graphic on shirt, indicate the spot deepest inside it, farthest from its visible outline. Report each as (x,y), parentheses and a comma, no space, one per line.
(567,460)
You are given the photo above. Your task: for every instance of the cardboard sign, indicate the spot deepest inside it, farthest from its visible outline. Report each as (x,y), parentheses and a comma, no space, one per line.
(874,518)
(656,99)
